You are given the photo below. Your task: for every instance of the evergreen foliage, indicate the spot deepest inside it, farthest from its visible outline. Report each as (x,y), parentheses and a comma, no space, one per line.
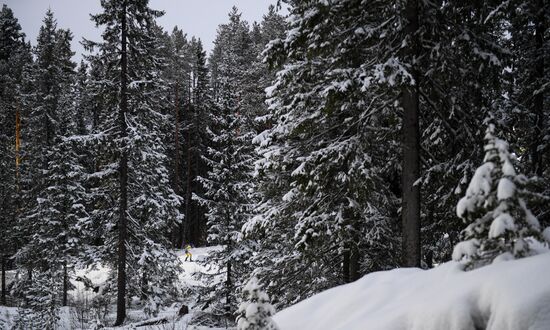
(135,140)
(500,225)
(312,149)
(53,214)
(323,170)
(14,56)
(227,185)
(255,311)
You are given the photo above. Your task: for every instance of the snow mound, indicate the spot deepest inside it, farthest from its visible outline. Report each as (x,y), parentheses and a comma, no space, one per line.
(507,295)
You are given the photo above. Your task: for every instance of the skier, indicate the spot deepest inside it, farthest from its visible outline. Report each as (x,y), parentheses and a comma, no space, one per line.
(188,253)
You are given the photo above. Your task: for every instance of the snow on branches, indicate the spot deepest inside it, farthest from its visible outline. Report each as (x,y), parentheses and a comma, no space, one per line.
(501,226)
(255,311)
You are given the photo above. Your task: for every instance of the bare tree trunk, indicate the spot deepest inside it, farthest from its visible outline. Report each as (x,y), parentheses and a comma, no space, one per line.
(411,148)
(123,177)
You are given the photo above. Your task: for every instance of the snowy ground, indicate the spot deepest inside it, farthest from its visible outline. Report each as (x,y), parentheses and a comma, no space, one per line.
(70,318)
(509,295)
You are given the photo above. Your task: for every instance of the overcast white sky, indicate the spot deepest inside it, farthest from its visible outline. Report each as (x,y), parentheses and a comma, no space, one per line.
(195,17)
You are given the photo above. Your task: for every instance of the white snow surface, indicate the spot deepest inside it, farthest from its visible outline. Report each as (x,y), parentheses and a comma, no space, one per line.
(508,295)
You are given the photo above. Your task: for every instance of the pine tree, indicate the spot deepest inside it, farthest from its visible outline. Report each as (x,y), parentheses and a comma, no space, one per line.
(453,44)
(529,78)
(500,225)
(227,184)
(177,73)
(42,311)
(135,174)
(198,139)
(525,107)
(255,311)
(55,218)
(326,209)
(14,55)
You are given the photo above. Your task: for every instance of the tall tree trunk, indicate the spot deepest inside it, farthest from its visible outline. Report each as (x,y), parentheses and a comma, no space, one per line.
(191,222)
(123,177)
(538,102)
(179,232)
(65,284)
(3,297)
(411,147)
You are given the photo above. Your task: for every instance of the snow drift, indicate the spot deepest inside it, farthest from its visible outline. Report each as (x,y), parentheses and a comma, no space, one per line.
(508,295)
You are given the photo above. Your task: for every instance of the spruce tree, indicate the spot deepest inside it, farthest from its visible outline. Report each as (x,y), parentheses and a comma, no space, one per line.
(227,184)
(255,311)
(135,175)
(54,218)
(528,21)
(177,73)
(461,84)
(525,107)
(326,212)
(500,225)
(14,55)
(199,139)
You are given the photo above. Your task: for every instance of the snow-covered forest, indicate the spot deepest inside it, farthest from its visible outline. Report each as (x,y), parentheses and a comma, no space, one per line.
(332,142)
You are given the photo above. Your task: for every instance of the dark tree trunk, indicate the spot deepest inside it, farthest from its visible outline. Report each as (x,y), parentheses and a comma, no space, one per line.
(354,267)
(355,257)
(188,219)
(123,177)
(228,291)
(538,101)
(411,148)
(346,264)
(429,259)
(193,231)
(144,286)
(179,231)
(3,297)
(351,268)
(65,284)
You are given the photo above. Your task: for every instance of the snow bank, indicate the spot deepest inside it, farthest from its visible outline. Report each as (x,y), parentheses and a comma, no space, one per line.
(508,295)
